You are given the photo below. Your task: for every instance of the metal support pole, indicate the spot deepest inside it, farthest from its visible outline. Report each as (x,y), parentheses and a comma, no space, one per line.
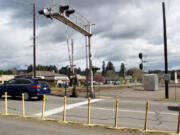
(178,127)
(64,113)
(92,95)
(23,108)
(65,91)
(175,92)
(74,91)
(165,50)
(86,47)
(43,106)
(34,40)
(116,113)
(5,103)
(146,115)
(89,110)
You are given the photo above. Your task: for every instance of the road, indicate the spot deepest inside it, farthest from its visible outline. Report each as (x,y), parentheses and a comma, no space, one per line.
(30,127)
(162,115)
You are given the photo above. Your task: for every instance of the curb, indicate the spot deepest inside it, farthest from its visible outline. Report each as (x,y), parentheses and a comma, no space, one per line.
(90,125)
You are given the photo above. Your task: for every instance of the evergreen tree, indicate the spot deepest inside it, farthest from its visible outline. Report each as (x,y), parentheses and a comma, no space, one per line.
(103,68)
(122,70)
(110,66)
(29,68)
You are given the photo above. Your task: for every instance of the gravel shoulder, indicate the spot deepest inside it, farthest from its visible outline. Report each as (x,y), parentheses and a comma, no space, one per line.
(126,91)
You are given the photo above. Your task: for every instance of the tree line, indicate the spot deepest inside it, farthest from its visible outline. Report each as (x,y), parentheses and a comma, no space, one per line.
(107,71)
(6,72)
(52,68)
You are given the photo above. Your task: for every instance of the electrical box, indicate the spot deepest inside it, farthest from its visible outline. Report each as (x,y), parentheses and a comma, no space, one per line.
(150,82)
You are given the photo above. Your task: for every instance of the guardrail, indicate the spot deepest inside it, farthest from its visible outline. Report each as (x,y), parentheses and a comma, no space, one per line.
(115,126)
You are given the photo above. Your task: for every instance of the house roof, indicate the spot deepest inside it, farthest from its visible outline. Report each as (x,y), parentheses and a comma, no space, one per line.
(46,73)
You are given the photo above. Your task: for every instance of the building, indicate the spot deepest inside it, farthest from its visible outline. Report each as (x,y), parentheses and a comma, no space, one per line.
(57,78)
(51,76)
(81,78)
(4,78)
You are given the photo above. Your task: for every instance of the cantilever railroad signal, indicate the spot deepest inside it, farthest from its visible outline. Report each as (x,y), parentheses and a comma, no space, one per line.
(79,23)
(62,13)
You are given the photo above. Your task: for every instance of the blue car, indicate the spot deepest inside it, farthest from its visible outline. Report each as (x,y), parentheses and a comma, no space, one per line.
(31,87)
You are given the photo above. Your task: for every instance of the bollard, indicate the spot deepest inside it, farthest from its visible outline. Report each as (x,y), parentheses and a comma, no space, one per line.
(89,105)
(5,103)
(23,108)
(64,114)
(43,106)
(146,116)
(178,127)
(116,113)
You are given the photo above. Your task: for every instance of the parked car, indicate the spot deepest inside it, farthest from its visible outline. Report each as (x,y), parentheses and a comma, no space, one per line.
(117,82)
(63,85)
(31,87)
(97,83)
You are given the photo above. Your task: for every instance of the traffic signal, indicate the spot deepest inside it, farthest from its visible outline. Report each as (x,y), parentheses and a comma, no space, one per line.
(141,66)
(46,12)
(69,12)
(140,55)
(63,8)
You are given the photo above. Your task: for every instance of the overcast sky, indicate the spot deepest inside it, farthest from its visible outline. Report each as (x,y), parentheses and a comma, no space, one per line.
(123,28)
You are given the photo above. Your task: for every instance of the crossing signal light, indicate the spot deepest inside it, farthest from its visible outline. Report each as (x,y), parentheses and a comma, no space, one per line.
(41,12)
(69,12)
(140,55)
(63,8)
(141,66)
(46,12)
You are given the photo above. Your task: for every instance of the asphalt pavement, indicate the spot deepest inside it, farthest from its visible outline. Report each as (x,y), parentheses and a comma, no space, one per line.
(16,126)
(162,115)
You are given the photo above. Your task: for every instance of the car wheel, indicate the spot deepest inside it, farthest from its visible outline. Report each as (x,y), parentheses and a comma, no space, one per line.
(26,96)
(40,97)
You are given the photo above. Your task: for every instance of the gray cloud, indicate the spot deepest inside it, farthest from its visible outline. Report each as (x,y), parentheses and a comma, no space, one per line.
(123,29)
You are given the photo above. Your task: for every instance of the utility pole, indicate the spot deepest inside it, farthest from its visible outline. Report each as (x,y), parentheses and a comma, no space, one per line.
(165,50)
(34,40)
(74,91)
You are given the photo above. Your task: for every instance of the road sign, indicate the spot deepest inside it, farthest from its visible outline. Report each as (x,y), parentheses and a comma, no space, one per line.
(167,77)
